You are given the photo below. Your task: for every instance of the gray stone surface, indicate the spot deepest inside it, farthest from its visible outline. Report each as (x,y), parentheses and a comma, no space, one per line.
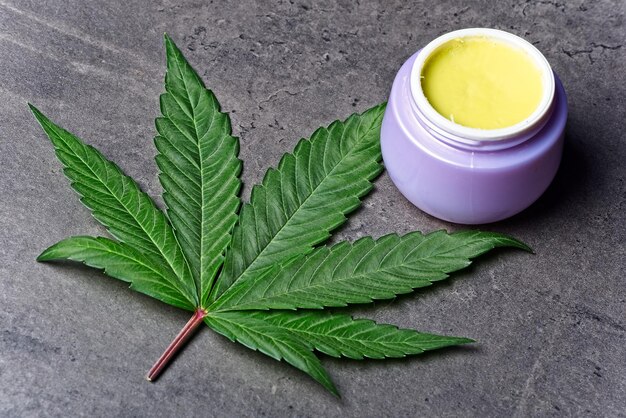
(551,327)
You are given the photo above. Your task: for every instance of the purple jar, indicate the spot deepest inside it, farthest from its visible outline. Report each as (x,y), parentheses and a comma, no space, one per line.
(467,175)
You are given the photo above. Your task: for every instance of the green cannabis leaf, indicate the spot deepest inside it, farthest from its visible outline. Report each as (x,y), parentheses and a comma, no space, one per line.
(254,275)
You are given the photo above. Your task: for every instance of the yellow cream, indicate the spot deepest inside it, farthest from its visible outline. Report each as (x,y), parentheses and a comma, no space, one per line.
(482,83)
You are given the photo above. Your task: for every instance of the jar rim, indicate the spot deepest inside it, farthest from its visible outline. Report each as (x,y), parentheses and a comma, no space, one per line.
(470,135)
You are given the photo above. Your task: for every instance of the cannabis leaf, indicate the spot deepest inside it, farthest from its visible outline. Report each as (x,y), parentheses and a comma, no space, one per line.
(253,275)
(123,262)
(341,336)
(363,271)
(199,169)
(117,202)
(306,197)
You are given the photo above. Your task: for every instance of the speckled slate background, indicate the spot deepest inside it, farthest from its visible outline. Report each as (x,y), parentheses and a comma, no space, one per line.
(551,327)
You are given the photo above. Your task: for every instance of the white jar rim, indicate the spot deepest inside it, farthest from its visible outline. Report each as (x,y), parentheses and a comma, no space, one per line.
(464,133)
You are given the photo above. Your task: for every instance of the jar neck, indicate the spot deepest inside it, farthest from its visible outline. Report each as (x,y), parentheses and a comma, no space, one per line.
(457,141)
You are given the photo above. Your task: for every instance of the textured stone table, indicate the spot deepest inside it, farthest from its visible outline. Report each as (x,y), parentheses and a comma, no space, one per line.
(551,328)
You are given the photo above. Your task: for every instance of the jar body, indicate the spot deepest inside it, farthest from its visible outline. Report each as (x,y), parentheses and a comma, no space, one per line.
(460,184)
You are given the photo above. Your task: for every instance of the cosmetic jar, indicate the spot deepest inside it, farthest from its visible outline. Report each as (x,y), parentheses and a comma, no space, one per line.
(464,174)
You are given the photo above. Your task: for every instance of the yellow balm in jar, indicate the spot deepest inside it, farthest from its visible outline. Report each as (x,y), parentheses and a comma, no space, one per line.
(474,126)
(482,83)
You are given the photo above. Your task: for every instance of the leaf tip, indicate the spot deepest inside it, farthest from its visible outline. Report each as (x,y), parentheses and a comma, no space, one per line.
(34,110)
(44,256)
(520,245)
(41,118)
(170,45)
(333,390)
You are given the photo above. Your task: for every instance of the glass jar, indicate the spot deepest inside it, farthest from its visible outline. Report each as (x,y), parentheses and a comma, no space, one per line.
(466,175)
